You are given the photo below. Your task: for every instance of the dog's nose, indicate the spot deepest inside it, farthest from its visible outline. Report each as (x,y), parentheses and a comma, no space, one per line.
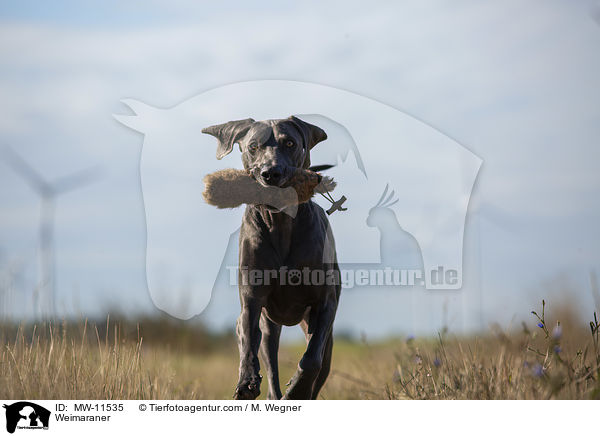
(272,175)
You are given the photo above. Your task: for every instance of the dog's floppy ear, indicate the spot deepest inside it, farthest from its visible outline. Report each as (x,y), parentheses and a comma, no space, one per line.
(228,134)
(311,133)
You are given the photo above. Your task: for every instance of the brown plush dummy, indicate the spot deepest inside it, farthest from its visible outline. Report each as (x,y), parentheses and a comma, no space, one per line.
(232,187)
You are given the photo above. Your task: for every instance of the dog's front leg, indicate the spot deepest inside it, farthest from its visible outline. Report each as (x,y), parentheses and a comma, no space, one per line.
(248,333)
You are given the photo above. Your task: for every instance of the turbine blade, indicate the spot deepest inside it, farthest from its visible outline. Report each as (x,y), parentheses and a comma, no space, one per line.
(77,179)
(498,217)
(26,171)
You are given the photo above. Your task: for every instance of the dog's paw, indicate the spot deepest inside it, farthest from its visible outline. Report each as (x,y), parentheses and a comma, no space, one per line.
(247,390)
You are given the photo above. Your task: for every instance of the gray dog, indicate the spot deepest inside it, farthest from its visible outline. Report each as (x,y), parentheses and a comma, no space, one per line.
(271,240)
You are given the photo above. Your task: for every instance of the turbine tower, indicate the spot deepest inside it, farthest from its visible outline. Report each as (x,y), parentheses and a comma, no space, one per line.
(483,211)
(44,296)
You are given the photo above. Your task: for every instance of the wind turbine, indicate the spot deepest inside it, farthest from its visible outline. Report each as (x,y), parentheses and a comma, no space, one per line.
(484,211)
(48,192)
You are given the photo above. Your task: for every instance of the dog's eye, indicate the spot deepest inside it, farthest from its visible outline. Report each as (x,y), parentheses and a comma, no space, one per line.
(289,143)
(252,146)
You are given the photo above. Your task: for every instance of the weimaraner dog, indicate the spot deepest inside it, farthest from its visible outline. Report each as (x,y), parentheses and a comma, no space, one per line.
(299,250)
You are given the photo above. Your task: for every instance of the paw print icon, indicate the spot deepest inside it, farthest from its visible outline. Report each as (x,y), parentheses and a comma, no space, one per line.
(294,277)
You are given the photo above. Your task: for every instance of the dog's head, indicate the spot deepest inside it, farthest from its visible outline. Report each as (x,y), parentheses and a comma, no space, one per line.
(271,149)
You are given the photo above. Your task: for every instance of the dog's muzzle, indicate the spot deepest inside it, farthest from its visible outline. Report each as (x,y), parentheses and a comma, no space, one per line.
(272,176)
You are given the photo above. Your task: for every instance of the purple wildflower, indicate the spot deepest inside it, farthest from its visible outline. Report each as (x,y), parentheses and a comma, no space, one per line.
(538,370)
(557,332)
(540,325)
(557,349)
(437,362)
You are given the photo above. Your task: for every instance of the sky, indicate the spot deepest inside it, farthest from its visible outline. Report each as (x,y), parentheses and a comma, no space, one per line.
(513,82)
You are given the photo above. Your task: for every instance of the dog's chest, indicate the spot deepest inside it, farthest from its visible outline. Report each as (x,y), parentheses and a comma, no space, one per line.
(280,240)
(281,237)
(287,304)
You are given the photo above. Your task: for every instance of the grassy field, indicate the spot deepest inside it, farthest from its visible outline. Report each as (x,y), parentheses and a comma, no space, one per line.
(165,359)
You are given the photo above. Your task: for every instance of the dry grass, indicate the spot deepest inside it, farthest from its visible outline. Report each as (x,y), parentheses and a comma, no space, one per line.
(166,360)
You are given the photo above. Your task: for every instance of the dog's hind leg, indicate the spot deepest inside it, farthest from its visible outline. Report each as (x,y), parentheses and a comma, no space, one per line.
(318,330)
(269,348)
